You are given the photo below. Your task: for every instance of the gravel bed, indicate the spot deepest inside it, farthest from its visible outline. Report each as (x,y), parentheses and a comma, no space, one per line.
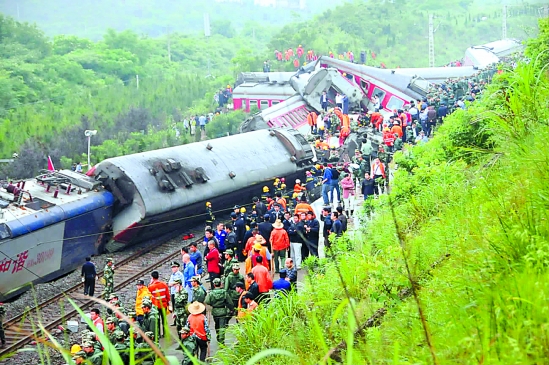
(45,291)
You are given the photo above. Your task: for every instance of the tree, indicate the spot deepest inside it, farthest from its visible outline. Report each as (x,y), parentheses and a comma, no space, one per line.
(224,28)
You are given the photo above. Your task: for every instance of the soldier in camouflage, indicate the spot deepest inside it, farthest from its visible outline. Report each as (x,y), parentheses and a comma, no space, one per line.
(79,357)
(181,300)
(112,327)
(144,351)
(150,319)
(229,262)
(188,342)
(121,347)
(230,284)
(2,316)
(108,275)
(222,306)
(199,293)
(93,356)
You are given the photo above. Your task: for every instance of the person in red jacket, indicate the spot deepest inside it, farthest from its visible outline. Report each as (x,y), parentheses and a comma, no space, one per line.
(262,277)
(160,298)
(375,119)
(213,258)
(280,242)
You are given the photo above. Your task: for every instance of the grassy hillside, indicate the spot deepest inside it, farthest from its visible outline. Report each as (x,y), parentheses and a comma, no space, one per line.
(453,267)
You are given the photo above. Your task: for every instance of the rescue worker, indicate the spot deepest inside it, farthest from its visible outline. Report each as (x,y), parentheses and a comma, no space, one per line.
(199,293)
(210,217)
(121,347)
(311,120)
(111,329)
(144,351)
(222,305)
(160,300)
(265,195)
(79,357)
(229,262)
(180,305)
(188,342)
(198,324)
(142,292)
(93,356)
(150,320)
(230,283)
(108,276)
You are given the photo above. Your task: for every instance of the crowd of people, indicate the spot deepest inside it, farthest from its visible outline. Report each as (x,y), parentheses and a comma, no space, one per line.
(251,260)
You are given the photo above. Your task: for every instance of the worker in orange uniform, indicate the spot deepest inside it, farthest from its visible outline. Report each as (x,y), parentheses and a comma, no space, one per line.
(396,128)
(160,299)
(311,120)
(296,63)
(375,119)
(142,291)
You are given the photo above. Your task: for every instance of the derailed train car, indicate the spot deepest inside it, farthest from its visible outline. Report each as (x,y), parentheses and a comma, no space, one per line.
(49,224)
(163,190)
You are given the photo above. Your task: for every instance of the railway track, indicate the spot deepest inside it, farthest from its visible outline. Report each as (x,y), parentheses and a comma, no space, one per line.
(23,328)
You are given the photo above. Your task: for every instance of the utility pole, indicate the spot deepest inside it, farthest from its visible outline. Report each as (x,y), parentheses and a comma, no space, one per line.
(18,15)
(137,81)
(504,22)
(431,41)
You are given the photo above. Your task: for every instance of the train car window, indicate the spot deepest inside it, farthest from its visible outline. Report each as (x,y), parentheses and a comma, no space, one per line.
(274,102)
(5,231)
(264,104)
(395,103)
(295,118)
(254,103)
(365,85)
(287,121)
(379,93)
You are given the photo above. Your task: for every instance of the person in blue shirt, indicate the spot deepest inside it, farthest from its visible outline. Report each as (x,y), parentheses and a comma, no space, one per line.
(188,273)
(196,258)
(282,285)
(326,184)
(221,235)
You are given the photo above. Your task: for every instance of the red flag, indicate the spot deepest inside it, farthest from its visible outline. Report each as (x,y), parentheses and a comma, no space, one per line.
(374,55)
(50,164)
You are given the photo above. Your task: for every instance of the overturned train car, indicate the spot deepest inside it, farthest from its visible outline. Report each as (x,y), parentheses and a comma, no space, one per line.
(164,190)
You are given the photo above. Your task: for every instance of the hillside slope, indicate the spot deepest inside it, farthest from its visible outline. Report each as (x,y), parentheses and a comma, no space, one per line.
(464,229)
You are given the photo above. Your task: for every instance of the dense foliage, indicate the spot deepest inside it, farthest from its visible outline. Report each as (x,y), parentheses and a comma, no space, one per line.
(91,18)
(397,31)
(465,226)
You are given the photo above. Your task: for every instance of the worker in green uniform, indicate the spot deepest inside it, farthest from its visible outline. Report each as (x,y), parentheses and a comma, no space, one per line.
(121,347)
(93,356)
(229,262)
(230,286)
(222,305)
(144,350)
(199,293)
(181,299)
(188,342)
(108,276)
(150,319)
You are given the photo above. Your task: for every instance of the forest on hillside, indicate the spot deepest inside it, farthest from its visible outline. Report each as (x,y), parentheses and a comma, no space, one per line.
(134,88)
(92,18)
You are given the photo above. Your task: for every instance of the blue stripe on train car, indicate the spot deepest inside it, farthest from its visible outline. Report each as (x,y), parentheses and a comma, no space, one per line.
(84,234)
(58,213)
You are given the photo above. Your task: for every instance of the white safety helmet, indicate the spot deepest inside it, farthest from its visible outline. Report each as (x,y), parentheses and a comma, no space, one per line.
(297,181)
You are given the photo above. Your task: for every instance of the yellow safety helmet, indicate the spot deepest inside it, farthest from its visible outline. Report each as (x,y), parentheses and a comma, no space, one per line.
(277,180)
(265,189)
(283,186)
(75,348)
(208,204)
(295,195)
(300,45)
(325,148)
(242,210)
(317,166)
(345,74)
